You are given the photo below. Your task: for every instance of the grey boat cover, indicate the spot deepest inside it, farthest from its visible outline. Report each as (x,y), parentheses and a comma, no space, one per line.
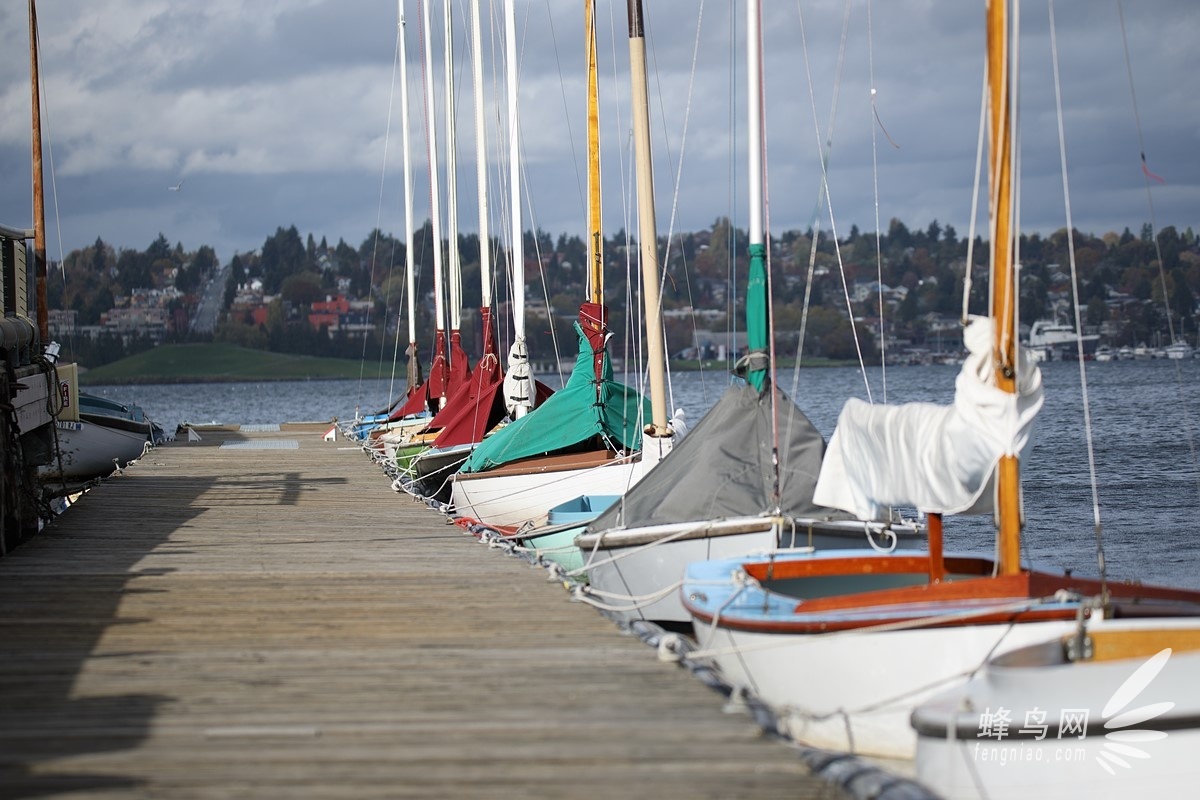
(722,468)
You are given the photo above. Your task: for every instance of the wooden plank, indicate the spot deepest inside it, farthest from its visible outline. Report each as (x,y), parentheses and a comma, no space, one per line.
(231,623)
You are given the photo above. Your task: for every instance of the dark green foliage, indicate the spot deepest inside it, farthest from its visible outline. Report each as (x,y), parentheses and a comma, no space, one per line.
(1119,281)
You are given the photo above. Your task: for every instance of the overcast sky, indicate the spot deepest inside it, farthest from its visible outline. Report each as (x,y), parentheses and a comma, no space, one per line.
(276,113)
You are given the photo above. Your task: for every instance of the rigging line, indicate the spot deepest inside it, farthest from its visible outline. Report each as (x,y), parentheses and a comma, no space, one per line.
(387,136)
(562,86)
(678,182)
(832,221)
(1083,383)
(766,202)
(1147,176)
(1146,173)
(997,121)
(435,243)
(527,196)
(62,262)
(634,330)
(969,268)
(678,170)
(626,171)
(875,192)
(1012,307)
(814,219)
(731,198)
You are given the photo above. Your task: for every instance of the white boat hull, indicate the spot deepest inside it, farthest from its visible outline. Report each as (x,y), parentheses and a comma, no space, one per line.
(513,499)
(90,450)
(855,691)
(640,570)
(1081,751)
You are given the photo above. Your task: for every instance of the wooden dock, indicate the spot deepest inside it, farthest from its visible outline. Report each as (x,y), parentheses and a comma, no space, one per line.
(259,615)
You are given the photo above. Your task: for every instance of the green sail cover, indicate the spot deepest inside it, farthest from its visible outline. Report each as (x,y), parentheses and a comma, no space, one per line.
(572,415)
(757,324)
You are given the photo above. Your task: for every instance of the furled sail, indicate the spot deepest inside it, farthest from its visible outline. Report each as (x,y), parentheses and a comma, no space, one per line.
(937,458)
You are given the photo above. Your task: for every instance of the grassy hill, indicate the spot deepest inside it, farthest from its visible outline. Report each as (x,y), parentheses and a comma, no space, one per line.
(196,363)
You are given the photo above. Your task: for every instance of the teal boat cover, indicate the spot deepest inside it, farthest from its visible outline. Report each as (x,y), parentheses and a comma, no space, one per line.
(584,409)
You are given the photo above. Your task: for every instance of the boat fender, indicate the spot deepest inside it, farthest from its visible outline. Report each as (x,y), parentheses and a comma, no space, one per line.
(670,648)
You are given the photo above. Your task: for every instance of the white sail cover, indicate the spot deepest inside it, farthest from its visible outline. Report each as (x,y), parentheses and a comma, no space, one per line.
(937,458)
(518,380)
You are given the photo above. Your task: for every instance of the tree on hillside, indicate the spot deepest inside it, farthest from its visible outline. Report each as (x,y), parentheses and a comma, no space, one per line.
(303,288)
(282,255)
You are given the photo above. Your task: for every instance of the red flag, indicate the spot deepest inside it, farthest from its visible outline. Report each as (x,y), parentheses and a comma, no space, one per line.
(1148,173)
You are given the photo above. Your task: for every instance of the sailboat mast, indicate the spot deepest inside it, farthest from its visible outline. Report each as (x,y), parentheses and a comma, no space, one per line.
(595,225)
(517,245)
(647,223)
(1008,510)
(757,311)
(438,371)
(453,265)
(39,199)
(414,366)
(485,256)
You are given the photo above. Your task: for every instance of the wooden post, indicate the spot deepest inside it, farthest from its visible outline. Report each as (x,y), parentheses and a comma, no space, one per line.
(937,562)
(39,201)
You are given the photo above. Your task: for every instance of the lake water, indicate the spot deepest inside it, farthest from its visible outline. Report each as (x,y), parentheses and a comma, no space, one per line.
(1145,415)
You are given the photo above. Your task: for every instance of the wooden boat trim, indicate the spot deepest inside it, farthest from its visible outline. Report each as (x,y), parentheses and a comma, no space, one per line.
(1122,644)
(924,602)
(562,462)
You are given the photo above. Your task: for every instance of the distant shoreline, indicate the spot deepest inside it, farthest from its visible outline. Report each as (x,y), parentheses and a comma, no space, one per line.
(223,363)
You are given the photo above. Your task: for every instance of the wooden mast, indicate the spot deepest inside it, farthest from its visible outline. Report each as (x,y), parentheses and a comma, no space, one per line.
(595,225)
(1008,501)
(647,223)
(593,315)
(39,200)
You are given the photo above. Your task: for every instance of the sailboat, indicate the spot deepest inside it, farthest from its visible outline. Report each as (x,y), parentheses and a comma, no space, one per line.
(428,398)
(409,412)
(750,466)
(1094,713)
(844,645)
(587,438)
(478,406)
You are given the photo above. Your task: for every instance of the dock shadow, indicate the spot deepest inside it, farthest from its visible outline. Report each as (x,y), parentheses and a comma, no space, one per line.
(59,595)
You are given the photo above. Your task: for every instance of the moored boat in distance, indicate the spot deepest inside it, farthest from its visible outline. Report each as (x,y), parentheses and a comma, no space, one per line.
(1178,350)
(1051,340)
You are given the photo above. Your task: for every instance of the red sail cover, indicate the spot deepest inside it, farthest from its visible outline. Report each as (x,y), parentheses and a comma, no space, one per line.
(426,397)
(478,405)
(475,409)
(593,318)
(460,368)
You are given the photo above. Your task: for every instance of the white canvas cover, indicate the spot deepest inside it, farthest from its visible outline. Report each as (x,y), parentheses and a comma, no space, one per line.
(937,458)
